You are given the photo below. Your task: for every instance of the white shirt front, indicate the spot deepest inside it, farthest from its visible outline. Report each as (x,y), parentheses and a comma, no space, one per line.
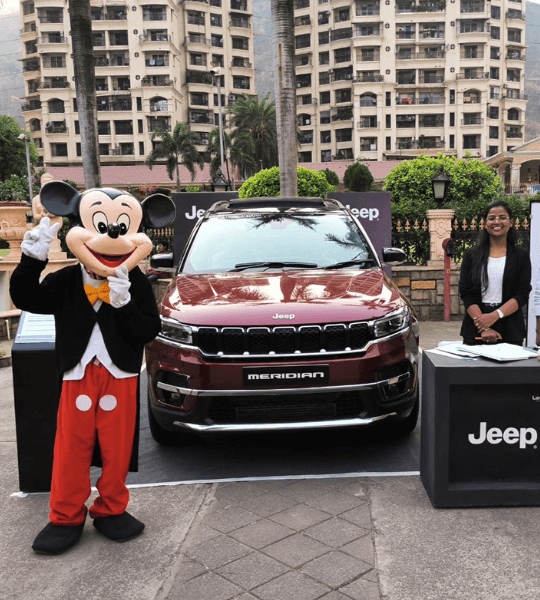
(495,271)
(96,346)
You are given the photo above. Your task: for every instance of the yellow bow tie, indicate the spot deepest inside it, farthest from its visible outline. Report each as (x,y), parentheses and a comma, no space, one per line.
(100,293)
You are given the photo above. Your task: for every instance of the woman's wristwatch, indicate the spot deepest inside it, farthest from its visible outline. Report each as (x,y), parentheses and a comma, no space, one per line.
(500,313)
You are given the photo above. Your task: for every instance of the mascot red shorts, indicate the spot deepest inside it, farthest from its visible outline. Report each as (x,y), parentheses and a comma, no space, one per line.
(97,406)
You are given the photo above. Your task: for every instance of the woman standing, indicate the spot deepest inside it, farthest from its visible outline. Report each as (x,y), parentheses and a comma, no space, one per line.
(495,282)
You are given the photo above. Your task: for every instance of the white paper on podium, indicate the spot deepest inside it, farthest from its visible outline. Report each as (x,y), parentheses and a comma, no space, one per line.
(36,328)
(501,352)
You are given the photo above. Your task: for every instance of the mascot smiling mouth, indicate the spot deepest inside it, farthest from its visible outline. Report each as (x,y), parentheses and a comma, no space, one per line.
(111,260)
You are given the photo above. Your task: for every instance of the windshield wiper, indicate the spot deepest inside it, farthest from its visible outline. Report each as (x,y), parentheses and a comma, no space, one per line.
(349,263)
(273,265)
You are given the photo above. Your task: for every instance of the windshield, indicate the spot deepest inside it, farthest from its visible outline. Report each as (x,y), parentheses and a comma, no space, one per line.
(228,242)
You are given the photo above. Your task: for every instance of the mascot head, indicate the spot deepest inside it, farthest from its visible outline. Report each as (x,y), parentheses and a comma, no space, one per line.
(107,224)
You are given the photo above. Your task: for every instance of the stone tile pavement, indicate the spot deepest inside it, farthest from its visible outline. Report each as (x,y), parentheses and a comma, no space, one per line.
(280,540)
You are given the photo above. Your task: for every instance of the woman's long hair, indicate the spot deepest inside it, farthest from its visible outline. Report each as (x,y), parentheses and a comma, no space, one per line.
(481,250)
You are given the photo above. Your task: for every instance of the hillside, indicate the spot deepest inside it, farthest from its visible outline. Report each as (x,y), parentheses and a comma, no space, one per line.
(11,79)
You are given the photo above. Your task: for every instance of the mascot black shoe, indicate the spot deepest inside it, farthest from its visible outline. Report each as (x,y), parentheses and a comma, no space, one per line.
(119,528)
(105,312)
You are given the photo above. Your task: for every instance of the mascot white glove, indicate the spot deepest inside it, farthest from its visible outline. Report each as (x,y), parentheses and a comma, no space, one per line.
(37,241)
(119,285)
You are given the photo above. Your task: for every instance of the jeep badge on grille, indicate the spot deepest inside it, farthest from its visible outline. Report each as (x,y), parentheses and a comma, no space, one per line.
(278,316)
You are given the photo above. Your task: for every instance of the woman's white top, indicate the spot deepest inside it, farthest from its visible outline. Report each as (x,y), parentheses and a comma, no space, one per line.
(495,271)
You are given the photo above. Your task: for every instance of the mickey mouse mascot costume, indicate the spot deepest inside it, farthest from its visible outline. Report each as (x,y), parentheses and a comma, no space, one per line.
(105,313)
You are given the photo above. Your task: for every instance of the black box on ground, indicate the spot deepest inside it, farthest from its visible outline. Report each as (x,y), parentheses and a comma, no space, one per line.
(480,429)
(35,392)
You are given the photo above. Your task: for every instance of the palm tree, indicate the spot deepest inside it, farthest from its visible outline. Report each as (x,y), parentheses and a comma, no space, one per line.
(177,149)
(85,88)
(284,76)
(256,121)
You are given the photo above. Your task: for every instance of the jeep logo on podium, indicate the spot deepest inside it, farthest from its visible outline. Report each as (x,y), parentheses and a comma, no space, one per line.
(526,436)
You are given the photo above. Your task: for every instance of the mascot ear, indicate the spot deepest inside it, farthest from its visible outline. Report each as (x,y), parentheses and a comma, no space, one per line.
(158,211)
(59,198)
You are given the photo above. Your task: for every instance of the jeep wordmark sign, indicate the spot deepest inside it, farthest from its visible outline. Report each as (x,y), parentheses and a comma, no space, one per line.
(284,377)
(526,436)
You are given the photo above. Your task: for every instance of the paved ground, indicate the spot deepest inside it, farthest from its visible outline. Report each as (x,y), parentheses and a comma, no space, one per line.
(369,538)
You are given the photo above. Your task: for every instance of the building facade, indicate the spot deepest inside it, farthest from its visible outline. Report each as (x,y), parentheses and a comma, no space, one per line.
(392,79)
(157,63)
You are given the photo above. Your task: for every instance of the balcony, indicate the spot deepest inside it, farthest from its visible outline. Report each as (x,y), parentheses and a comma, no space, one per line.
(425,7)
(154,37)
(196,39)
(515,55)
(470,54)
(431,79)
(342,114)
(241,63)
(157,62)
(513,132)
(158,127)
(199,77)
(306,101)
(407,122)
(367,78)
(514,95)
(241,23)
(48,85)
(204,118)
(515,14)
(156,82)
(31,106)
(472,75)
(428,34)
(52,39)
(368,123)
(426,55)
(472,28)
(53,127)
(472,120)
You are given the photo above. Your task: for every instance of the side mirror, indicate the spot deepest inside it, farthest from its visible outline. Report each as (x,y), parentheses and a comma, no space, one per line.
(162,261)
(393,256)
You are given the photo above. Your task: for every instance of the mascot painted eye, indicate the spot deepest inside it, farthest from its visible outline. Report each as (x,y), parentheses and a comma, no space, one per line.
(124,222)
(100,222)
(105,312)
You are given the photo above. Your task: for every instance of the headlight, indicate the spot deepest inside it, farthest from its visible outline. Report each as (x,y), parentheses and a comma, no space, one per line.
(392,322)
(172,329)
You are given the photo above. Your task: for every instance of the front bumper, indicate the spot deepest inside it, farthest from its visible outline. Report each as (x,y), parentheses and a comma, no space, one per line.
(212,398)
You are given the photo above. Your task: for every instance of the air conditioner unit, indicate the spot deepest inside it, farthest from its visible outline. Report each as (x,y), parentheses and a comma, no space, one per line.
(231,97)
(49,124)
(442,138)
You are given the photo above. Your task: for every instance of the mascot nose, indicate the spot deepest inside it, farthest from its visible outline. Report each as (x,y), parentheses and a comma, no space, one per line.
(113,230)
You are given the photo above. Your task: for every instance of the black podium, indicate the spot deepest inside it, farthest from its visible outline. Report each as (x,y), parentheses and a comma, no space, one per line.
(35,387)
(480,432)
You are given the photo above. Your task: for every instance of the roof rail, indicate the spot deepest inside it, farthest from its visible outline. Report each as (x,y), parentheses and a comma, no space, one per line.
(287,202)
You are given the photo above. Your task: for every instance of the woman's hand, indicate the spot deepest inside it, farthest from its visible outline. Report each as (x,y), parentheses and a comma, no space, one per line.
(490,336)
(485,321)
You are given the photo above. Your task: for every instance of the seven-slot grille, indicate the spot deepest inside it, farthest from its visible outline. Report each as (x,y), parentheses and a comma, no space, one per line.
(302,339)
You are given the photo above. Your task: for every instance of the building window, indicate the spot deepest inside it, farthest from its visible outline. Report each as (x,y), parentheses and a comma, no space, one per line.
(495,33)
(496,12)
(388,121)
(342,55)
(452,96)
(452,118)
(494,53)
(304,157)
(324,98)
(492,150)
(494,72)
(343,135)
(389,143)
(141,148)
(494,133)
(123,127)
(302,41)
(324,117)
(452,141)
(324,58)
(324,38)
(216,20)
(343,96)
(323,17)
(326,137)
(326,155)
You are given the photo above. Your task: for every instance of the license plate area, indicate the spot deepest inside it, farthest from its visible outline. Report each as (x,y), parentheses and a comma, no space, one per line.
(286,377)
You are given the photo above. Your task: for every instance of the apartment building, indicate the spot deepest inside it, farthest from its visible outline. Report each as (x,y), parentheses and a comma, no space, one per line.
(391,79)
(154,64)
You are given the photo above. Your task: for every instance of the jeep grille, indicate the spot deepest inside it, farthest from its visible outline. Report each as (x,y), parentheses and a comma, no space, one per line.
(261,341)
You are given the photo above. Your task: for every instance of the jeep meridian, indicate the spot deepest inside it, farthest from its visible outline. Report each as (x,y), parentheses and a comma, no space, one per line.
(281,317)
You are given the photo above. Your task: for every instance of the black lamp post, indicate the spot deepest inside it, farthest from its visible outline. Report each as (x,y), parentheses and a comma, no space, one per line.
(440,185)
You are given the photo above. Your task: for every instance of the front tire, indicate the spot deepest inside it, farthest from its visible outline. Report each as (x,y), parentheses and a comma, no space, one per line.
(408,424)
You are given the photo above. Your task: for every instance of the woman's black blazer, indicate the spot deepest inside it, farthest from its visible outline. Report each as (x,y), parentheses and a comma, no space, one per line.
(516,284)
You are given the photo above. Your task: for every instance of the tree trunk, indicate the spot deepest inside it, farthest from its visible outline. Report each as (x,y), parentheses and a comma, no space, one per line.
(284,76)
(85,87)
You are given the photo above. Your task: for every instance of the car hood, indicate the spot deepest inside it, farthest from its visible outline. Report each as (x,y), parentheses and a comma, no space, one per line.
(280,298)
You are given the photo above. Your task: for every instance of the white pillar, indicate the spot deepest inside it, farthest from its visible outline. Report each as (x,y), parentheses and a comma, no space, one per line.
(440,228)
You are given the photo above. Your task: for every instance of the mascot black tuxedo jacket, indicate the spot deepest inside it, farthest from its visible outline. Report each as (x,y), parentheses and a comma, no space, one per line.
(125,330)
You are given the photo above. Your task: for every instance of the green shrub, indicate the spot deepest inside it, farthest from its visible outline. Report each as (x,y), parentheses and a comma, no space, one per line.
(358,178)
(331,176)
(266,183)
(14,189)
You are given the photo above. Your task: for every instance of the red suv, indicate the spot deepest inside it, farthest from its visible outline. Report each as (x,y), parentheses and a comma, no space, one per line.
(281,317)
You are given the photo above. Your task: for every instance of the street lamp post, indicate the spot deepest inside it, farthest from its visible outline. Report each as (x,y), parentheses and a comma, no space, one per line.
(216,70)
(440,185)
(24,136)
